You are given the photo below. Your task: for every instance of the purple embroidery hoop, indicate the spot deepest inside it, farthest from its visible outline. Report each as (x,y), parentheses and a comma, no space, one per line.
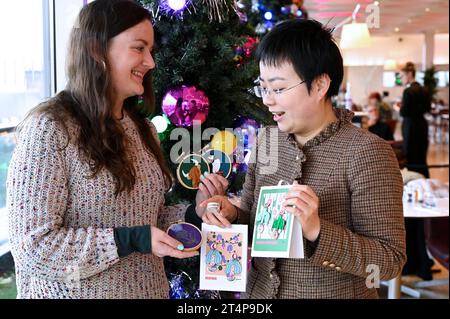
(189,235)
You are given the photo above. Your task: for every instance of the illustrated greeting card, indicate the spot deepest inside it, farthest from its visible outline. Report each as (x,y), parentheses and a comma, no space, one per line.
(276,232)
(223,258)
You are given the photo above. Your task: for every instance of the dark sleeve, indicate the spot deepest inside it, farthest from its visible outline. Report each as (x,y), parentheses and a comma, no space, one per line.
(387,135)
(310,247)
(405,109)
(192,217)
(133,239)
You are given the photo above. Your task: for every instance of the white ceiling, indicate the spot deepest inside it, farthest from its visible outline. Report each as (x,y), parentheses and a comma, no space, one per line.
(409,16)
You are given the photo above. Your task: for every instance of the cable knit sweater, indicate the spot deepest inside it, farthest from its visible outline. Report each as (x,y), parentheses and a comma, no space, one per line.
(61,221)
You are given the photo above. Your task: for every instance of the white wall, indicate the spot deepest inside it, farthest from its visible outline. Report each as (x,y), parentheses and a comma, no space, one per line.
(401,48)
(367,79)
(441,49)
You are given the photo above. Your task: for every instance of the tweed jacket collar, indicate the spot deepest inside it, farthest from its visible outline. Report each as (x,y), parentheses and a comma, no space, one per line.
(343,116)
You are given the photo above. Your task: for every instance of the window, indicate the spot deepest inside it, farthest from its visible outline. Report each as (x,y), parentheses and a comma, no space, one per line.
(24,78)
(389,79)
(22,66)
(442,77)
(419,77)
(29,69)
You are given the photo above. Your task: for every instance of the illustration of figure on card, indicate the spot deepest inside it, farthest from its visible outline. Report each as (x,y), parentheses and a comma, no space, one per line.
(224,255)
(279,223)
(271,219)
(262,220)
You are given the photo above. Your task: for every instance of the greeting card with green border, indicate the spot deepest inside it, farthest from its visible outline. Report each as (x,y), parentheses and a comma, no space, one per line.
(276,232)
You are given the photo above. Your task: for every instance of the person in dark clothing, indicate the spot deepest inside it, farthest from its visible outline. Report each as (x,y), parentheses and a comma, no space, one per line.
(415,103)
(376,126)
(384,110)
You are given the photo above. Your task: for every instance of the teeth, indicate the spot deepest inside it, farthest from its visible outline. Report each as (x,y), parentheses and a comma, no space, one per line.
(137,73)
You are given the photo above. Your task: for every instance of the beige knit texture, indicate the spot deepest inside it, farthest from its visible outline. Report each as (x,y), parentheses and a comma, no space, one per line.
(61,220)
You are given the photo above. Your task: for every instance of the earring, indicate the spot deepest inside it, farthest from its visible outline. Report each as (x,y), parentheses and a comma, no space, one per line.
(104,65)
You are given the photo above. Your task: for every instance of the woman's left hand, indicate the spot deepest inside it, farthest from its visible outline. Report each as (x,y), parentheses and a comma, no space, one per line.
(303,203)
(211,185)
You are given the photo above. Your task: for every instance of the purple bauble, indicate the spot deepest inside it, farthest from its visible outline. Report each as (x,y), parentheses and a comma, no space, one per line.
(187,234)
(185,104)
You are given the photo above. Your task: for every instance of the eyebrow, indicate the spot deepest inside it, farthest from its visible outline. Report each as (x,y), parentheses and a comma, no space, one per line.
(142,40)
(277,78)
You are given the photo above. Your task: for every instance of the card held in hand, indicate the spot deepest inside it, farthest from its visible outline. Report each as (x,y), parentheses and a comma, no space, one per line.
(277,233)
(223,258)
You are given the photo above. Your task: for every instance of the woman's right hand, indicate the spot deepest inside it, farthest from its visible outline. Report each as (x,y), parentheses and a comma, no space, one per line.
(228,212)
(164,245)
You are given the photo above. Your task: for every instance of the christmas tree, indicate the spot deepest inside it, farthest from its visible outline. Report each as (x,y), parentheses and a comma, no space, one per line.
(205,46)
(204,57)
(204,51)
(264,14)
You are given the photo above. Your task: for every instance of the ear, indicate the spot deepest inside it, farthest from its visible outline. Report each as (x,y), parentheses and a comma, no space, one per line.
(321,85)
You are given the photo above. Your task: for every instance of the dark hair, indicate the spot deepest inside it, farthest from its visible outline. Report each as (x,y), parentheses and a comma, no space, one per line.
(309,47)
(375,95)
(87,98)
(409,67)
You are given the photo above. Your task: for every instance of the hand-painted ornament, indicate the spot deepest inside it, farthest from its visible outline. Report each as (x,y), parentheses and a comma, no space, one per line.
(189,235)
(190,169)
(220,163)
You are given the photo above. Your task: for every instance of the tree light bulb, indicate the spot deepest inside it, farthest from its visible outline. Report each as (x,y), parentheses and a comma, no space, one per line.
(176,5)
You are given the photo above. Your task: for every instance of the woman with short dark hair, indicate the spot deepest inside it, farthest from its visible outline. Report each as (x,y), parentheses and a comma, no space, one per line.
(347,187)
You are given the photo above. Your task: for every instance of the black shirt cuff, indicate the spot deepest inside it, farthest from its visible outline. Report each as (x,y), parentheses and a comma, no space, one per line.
(192,217)
(133,239)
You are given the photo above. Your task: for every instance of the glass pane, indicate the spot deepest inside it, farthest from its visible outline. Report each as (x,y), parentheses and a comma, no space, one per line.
(442,77)
(21,59)
(21,79)
(7,143)
(388,79)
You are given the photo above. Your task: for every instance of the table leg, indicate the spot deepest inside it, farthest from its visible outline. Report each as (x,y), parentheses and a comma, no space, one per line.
(394,287)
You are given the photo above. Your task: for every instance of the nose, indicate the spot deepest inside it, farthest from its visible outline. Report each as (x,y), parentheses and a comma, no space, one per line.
(268,99)
(149,62)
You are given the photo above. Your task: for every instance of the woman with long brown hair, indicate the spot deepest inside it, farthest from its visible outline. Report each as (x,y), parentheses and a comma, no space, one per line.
(87,180)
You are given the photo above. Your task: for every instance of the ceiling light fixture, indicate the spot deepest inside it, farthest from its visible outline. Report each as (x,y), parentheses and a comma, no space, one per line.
(354,35)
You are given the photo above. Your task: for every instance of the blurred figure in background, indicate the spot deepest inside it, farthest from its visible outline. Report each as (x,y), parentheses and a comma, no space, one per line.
(385,111)
(415,103)
(376,126)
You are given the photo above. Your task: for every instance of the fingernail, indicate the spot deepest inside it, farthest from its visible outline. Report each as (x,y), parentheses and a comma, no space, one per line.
(206,174)
(180,247)
(202,177)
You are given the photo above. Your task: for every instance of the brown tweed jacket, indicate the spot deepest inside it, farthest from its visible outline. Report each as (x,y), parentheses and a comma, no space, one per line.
(357,179)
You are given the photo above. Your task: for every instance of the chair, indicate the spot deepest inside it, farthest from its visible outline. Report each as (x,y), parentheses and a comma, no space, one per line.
(392,125)
(436,238)
(397,146)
